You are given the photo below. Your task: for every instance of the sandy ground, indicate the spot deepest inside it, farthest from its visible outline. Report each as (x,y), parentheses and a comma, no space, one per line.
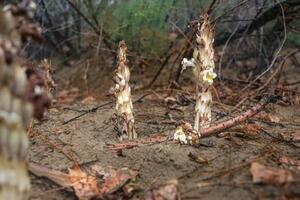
(225,175)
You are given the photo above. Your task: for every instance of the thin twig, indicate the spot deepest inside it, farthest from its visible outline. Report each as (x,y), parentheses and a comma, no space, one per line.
(276,54)
(205,132)
(154,139)
(265,85)
(95,29)
(92,110)
(88,111)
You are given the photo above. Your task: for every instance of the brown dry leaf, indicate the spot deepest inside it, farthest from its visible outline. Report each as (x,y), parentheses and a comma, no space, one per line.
(263,174)
(267,117)
(53,110)
(56,176)
(296,136)
(67,96)
(293,136)
(197,158)
(170,100)
(166,191)
(290,161)
(88,99)
(85,186)
(113,179)
(115,182)
(251,129)
(130,188)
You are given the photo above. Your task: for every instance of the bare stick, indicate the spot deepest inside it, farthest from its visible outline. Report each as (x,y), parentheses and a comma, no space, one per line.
(276,54)
(190,135)
(140,142)
(206,132)
(94,109)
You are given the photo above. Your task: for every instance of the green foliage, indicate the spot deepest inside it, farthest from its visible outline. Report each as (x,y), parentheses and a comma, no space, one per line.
(294,39)
(144,24)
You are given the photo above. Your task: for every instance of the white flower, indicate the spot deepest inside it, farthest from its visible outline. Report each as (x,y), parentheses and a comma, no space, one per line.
(208,76)
(187,63)
(180,136)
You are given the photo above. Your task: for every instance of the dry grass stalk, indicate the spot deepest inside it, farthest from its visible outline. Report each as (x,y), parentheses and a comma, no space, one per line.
(122,92)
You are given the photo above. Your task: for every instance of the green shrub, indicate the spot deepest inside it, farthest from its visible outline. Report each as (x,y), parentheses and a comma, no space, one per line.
(145,25)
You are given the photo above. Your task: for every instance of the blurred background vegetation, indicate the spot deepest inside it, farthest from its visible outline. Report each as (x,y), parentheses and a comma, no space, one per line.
(151,27)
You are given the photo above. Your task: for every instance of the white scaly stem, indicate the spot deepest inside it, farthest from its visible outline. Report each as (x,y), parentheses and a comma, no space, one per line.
(203,66)
(204,74)
(122,91)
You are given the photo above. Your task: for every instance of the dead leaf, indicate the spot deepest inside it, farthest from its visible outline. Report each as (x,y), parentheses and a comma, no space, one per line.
(291,136)
(67,96)
(263,174)
(130,188)
(56,176)
(267,117)
(170,100)
(250,129)
(290,161)
(114,179)
(53,110)
(197,158)
(296,136)
(85,186)
(88,99)
(166,191)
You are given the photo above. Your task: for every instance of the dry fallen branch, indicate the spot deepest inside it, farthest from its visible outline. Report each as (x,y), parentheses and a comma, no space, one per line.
(140,142)
(187,135)
(236,120)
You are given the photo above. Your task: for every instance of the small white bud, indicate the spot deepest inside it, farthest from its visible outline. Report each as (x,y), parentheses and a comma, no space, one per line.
(187,63)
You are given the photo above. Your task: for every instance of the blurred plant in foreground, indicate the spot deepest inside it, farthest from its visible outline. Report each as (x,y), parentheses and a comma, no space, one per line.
(22,96)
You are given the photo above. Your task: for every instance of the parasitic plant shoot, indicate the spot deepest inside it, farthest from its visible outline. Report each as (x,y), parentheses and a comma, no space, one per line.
(203,63)
(48,70)
(21,97)
(122,92)
(15,113)
(203,67)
